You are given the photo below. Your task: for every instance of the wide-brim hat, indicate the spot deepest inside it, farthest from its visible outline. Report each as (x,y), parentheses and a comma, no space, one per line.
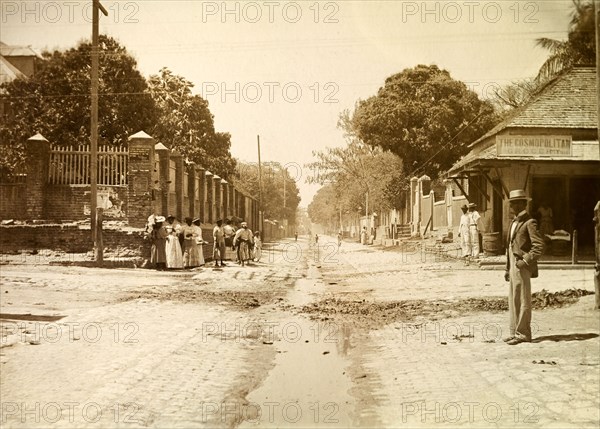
(158,219)
(518,195)
(196,220)
(244,223)
(472,205)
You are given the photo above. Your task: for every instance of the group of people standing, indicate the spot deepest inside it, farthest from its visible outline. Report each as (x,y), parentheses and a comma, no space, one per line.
(247,246)
(176,246)
(468,231)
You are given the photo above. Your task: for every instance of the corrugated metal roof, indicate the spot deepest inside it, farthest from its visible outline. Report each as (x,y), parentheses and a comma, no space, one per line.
(8,72)
(567,102)
(16,51)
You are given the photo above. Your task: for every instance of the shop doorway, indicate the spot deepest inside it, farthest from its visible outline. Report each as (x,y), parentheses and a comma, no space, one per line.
(584,193)
(551,192)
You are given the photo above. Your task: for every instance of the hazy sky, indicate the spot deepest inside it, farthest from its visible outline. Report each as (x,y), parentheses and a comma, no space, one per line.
(285,70)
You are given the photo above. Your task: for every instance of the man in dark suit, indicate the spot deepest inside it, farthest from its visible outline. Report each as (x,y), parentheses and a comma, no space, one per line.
(525,246)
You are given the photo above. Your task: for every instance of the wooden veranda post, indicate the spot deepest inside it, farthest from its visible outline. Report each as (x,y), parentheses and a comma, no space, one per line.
(597,247)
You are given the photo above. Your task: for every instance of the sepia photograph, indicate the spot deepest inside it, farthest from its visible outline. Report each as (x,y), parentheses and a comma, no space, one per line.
(299,214)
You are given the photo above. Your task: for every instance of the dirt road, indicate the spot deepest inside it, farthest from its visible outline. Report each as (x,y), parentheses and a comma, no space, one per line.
(311,336)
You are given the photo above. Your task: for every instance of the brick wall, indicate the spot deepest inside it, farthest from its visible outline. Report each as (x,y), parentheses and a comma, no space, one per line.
(72,202)
(12,202)
(77,239)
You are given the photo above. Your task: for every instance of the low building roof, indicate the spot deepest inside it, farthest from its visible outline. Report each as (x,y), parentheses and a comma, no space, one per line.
(567,102)
(16,51)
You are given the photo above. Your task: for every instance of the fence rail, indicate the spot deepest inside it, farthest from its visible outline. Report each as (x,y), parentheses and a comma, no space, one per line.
(70,165)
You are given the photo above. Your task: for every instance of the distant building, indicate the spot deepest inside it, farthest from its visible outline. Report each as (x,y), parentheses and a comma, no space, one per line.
(15,62)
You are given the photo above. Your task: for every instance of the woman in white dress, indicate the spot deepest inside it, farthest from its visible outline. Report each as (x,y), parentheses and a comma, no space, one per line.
(174,253)
(257,246)
(197,255)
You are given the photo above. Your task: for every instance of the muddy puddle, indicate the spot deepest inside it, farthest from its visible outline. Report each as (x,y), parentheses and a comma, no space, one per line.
(309,384)
(30,317)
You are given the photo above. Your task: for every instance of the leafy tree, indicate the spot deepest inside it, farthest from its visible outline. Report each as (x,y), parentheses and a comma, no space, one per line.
(579,48)
(358,169)
(323,209)
(273,178)
(187,125)
(425,117)
(56,101)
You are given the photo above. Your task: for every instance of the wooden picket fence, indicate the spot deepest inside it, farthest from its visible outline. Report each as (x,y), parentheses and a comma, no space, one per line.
(70,165)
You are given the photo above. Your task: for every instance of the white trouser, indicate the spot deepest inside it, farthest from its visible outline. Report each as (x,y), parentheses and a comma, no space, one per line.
(474,233)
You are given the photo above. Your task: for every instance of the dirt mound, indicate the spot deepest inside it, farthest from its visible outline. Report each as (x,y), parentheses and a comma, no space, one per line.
(378,313)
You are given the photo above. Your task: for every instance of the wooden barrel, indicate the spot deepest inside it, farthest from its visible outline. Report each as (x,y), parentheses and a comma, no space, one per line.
(492,243)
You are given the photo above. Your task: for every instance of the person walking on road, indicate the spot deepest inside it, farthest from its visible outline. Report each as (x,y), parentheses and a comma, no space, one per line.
(219,243)
(257,246)
(363,235)
(474,217)
(243,241)
(524,247)
(463,232)
(339,239)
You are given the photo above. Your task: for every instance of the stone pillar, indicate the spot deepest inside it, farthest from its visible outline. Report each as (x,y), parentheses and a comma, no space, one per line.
(449,215)
(210,197)
(191,171)
(178,158)
(225,187)
(202,194)
(424,187)
(415,215)
(231,200)
(218,197)
(140,173)
(38,163)
(163,178)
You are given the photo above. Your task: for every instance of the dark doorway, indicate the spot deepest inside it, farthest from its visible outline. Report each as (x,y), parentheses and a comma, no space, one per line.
(551,191)
(584,193)
(497,203)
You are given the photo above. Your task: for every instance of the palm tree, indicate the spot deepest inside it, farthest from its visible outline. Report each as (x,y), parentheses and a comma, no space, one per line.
(578,49)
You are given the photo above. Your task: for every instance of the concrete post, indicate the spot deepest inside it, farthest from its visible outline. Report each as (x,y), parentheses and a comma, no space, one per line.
(415,215)
(163,177)
(218,197)
(38,163)
(141,176)
(210,197)
(449,214)
(202,194)
(178,158)
(225,187)
(191,172)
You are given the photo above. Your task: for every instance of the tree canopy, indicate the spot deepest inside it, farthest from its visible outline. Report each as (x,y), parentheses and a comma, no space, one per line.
(55,101)
(187,125)
(578,49)
(425,117)
(273,177)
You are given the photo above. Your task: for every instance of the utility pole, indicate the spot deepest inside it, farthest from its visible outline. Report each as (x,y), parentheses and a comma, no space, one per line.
(96,7)
(597,208)
(260,207)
